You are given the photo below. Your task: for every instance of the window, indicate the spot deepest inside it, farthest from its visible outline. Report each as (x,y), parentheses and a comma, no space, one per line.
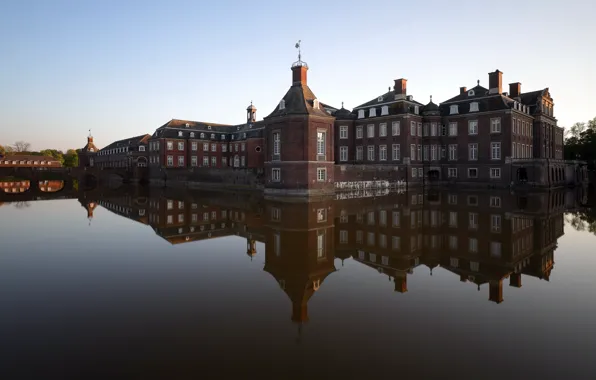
(395,152)
(224,148)
(194,145)
(495,249)
(420,172)
(321,138)
(343,237)
(359,153)
(474,107)
(426,152)
(495,125)
(452,199)
(343,132)
(372,112)
(359,131)
(433,152)
(473,152)
(495,201)
(452,172)
(370,130)
(383,129)
(413,129)
(495,223)
(414,172)
(282,104)
(206,161)
(275,174)
(433,129)
(413,152)
(454,109)
(426,130)
(395,128)
(383,153)
(360,114)
(371,153)
(224,161)
(370,240)
(321,174)
(205,147)
(384,110)
(214,147)
(453,152)
(180,160)
(416,110)
(180,133)
(419,129)
(473,220)
(473,127)
(181,146)
(495,150)
(321,215)
(453,242)
(453,219)
(453,129)
(214,161)
(473,245)
(343,153)
(358,236)
(193,161)
(383,244)
(454,262)
(170,161)
(170,145)
(141,148)
(276,143)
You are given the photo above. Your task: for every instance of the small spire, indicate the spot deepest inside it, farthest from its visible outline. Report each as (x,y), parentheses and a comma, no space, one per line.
(388,89)
(89,132)
(478,82)
(299,50)
(342,104)
(431,98)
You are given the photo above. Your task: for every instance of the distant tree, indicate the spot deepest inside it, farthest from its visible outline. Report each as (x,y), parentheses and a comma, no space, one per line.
(21,146)
(2,150)
(57,154)
(71,158)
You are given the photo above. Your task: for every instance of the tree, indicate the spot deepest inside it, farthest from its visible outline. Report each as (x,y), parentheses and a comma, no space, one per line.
(71,158)
(21,146)
(57,154)
(2,151)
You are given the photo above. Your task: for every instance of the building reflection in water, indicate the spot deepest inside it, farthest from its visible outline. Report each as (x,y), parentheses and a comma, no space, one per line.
(483,237)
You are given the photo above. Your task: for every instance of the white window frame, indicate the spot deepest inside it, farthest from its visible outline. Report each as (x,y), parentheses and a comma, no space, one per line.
(472,127)
(451,172)
(343,132)
(370,131)
(275,175)
(359,131)
(395,128)
(495,150)
(453,128)
(395,152)
(276,137)
(343,153)
(474,107)
(321,174)
(382,129)
(495,173)
(370,153)
(495,125)
(470,176)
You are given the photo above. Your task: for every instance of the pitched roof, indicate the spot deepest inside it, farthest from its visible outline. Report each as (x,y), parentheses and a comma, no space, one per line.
(531,98)
(142,139)
(491,103)
(29,157)
(479,92)
(388,97)
(299,100)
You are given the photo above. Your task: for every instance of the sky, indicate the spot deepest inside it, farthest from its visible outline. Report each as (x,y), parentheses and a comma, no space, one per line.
(124,68)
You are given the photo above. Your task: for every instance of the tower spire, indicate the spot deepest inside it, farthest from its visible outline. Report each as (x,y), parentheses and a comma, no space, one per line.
(299,50)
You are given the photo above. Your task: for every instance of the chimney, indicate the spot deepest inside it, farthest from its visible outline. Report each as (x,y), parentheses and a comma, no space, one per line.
(495,291)
(299,74)
(495,81)
(514,89)
(400,86)
(462,90)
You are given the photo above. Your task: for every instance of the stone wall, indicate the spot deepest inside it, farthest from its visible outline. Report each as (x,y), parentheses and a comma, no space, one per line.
(208,177)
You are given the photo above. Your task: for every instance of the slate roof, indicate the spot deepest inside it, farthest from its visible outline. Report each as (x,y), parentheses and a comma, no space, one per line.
(388,97)
(141,139)
(172,128)
(344,114)
(299,101)
(531,98)
(30,157)
(492,103)
(479,92)
(90,146)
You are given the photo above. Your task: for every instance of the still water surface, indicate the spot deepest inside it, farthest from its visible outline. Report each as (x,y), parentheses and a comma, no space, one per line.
(155,284)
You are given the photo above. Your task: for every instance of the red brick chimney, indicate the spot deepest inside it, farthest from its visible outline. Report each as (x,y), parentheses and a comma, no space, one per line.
(495,81)
(299,74)
(495,291)
(514,89)
(401,86)
(462,90)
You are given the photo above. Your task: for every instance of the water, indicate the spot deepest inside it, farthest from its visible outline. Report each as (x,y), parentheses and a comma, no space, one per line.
(107,285)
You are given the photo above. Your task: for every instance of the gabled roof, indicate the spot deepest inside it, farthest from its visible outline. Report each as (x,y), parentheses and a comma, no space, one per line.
(532,97)
(299,100)
(29,157)
(141,139)
(197,125)
(388,97)
(479,92)
(492,103)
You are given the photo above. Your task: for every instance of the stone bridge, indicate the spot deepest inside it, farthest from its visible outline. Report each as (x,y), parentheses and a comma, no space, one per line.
(86,175)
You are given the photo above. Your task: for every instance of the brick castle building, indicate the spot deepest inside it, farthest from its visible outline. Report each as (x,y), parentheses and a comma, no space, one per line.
(303,146)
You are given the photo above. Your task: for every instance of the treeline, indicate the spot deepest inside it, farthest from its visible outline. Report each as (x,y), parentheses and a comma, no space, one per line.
(70,158)
(580,143)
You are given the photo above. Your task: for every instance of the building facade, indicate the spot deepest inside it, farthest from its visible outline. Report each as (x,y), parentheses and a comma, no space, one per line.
(29,161)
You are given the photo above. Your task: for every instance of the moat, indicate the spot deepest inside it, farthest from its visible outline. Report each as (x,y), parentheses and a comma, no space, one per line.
(426,283)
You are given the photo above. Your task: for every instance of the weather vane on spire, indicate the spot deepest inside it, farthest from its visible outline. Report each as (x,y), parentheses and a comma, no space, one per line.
(299,51)
(89,132)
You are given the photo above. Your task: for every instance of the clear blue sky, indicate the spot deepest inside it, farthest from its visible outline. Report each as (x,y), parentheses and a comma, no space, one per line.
(124,68)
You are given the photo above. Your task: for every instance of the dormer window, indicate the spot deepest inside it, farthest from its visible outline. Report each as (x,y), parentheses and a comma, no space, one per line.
(471,93)
(244,135)
(454,109)
(474,107)
(192,135)
(209,127)
(187,125)
(384,110)
(315,103)
(380,98)
(372,112)
(202,135)
(416,110)
(282,104)
(180,133)
(223,137)
(213,135)
(141,148)
(360,114)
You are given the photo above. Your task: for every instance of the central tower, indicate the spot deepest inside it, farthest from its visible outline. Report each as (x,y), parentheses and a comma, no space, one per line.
(299,134)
